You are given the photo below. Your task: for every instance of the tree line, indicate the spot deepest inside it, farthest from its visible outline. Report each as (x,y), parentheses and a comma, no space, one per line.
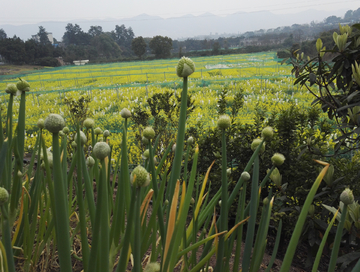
(122,44)
(76,44)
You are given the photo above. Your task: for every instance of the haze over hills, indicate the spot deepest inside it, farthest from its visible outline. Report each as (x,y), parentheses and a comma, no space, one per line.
(186,26)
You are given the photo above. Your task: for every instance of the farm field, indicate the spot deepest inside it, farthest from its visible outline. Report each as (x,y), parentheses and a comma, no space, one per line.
(264,81)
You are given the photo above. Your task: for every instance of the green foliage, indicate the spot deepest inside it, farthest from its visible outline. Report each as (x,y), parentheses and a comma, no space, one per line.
(161,46)
(78,110)
(165,110)
(138,45)
(334,83)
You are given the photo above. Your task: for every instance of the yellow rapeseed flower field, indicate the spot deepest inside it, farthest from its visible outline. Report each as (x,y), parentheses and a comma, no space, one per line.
(111,87)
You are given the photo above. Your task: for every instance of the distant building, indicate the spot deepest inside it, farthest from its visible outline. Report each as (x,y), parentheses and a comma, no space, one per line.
(49,34)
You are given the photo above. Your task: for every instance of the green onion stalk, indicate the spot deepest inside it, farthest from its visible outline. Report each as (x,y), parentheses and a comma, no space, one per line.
(6,230)
(347,198)
(184,68)
(223,123)
(54,123)
(289,255)
(99,255)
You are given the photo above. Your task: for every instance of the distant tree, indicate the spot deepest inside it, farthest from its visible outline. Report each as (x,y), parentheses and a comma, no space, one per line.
(2,34)
(43,36)
(13,50)
(348,15)
(138,45)
(123,37)
(75,35)
(332,20)
(106,47)
(216,48)
(95,31)
(161,46)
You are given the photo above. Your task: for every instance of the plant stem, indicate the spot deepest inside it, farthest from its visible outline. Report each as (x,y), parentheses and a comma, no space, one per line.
(336,245)
(224,202)
(62,220)
(175,173)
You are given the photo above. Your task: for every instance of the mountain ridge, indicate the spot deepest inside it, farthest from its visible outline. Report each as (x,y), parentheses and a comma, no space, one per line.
(186,26)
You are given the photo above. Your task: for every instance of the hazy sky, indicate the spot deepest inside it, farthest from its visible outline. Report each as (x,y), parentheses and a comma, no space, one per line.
(33,11)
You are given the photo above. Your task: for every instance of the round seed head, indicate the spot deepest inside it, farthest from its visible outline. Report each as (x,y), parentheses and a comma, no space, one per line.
(278,159)
(185,67)
(245,176)
(224,121)
(228,172)
(41,123)
(142,178)
(125,113)
(267,133)
(145,140)
(347,197)
(90,162)
(4,196)
(66,130)
(54,123)
(23,85)
(83,138)
(11,89)
(149,133)
(98,131)
(101,150)
(106,133)
(73,144)
(146,154)
(256,143)
(190,140)
(89,123)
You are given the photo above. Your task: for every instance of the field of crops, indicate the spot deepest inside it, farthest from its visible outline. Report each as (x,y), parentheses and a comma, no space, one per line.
(111,87)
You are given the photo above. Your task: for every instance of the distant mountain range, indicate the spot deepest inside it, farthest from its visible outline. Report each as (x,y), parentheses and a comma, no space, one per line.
(186,26)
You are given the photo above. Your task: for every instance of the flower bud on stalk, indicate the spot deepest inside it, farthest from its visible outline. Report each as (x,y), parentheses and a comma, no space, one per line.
(98,131)
(125,113)
(347,197)
(90,162)
(245,176)
(267,133)
(4,196)
(41,123)
(146,154)
(140,177)
(89,123)
(145,140)
(149,133)
(190,140)
(54,123)
(83,138)
(11,89)
(256,143)
(106,133)
(66,130)
(224,121)
(278,159)
(23,85)
(185,67)
(101,150)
